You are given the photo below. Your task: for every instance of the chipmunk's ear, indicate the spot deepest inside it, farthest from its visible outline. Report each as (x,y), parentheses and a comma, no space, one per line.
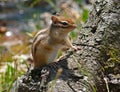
(54,19)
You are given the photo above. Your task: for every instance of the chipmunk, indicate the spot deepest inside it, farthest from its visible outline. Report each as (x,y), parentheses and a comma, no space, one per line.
(49,41)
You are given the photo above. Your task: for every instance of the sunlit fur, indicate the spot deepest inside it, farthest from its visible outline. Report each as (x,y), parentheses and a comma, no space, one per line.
(47,42)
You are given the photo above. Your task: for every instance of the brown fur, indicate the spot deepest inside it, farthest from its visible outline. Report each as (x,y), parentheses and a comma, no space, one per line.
(47,42)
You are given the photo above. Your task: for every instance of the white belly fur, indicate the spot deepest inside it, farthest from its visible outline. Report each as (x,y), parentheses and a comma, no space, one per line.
(53,55)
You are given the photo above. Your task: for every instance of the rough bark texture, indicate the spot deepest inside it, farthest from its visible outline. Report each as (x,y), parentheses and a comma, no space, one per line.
(84,70)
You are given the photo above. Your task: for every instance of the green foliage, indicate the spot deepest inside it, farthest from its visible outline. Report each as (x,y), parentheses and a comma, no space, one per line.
(85,15)
(59,54)
(9,71)
(51,2)
(37,22)
(1,47)
(29,34)
(79,1)
(5,56)
(73,34)
(35,2)
(8,77)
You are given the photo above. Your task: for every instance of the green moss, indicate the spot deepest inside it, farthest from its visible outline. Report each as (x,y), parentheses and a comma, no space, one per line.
(111,58)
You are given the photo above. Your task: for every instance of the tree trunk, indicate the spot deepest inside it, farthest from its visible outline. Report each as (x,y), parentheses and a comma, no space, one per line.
(93,68)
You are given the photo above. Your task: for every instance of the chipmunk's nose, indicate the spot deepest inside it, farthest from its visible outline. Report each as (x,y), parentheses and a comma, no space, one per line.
(74,25)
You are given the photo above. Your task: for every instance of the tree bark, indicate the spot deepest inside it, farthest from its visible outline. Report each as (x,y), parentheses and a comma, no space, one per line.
(91,69)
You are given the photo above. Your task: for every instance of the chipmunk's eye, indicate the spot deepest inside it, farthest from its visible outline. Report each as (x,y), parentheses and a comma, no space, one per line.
(64,23)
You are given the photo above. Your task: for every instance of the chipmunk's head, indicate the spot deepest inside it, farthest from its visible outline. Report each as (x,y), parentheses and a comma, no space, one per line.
(63,24)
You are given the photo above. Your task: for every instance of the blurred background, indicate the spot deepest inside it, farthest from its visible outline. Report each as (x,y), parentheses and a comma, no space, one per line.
(20,20)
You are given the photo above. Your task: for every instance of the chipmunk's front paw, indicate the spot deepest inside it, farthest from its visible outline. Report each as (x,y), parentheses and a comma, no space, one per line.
(75,48)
